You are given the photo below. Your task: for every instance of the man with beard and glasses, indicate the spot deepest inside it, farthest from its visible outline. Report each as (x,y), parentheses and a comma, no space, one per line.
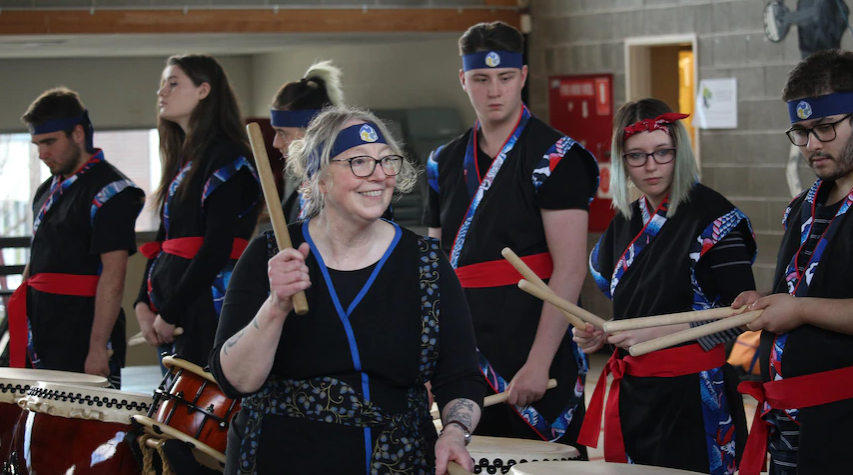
(67,315)
(805,404)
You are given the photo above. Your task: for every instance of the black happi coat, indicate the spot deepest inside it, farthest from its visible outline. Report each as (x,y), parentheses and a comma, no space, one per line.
(510,215)
(825,435)
(387,328)
(188,292)
(662,418)
(69,240)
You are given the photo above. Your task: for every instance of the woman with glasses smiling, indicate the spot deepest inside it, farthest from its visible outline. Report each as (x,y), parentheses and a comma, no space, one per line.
(341,389)
(681,246)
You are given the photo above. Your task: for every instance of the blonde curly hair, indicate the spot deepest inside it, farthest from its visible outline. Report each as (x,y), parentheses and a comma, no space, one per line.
(308,157)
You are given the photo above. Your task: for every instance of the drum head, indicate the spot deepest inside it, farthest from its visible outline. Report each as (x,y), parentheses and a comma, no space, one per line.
(592,468)
(16,382)
(81,402)
(174,361)
(517,449)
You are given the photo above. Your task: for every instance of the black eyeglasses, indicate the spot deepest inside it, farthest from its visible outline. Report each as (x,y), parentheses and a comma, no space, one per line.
(638,159)
(799,136)
(364,166)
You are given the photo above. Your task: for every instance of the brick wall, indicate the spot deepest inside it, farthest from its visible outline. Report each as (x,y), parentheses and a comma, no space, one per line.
(746,164)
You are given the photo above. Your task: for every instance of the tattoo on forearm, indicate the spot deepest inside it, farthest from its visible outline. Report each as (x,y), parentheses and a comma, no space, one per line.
(233,340)
(461,410)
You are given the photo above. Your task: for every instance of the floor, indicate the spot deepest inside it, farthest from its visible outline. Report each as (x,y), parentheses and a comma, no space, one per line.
(141,379)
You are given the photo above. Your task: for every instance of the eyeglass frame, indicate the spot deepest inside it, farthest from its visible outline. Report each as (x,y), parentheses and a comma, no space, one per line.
(375,161)
(810,131)
(673,150)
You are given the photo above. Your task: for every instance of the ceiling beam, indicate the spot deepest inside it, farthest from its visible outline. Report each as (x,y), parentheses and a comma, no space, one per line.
(370,20)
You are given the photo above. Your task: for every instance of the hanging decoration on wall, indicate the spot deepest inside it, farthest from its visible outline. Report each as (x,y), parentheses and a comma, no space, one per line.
(820,23)
(777,21)
(825,26)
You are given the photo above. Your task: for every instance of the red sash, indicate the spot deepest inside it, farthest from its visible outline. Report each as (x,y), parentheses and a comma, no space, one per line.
(669,363)
(187,247)
(501,272)
(59,284)
(789,393)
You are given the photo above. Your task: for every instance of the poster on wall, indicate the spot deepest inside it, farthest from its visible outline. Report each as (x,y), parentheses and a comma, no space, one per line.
(716,104)
(581,106)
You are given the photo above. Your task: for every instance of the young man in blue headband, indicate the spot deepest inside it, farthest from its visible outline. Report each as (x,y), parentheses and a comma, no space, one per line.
(67,314)
(805,408)
(513,181)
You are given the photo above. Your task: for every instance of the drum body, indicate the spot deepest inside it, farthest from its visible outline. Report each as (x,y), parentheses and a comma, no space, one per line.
(592,468)
(190,406)
(74,429)
(499,454)
(14,385)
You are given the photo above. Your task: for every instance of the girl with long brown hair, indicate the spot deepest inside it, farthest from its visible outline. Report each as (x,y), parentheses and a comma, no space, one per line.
(208,199)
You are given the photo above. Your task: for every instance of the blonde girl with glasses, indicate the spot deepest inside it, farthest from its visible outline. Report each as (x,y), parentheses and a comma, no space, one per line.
(681,246)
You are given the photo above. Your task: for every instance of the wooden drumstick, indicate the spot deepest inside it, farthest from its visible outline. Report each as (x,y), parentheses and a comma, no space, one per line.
(501,397)
(279,224)
(498,398)
(671,319)
(138,339)
(531,276)
(560,303)
(693,333)
(454,468)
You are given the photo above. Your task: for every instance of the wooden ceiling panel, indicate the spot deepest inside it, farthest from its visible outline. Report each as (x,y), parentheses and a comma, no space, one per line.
(41,22)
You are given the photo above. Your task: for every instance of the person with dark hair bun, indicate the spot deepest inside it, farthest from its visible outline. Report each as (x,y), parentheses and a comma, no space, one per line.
(805,408)
(680,247)
(66,315)
(513,181)
(292,109)
(208,199)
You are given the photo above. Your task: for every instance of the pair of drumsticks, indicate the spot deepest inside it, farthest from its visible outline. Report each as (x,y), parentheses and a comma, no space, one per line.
(726,317)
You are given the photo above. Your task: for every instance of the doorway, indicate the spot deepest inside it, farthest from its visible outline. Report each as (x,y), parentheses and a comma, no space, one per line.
(664,67)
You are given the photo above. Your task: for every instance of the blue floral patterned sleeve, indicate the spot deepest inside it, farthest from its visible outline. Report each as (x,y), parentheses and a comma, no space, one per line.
(457,374)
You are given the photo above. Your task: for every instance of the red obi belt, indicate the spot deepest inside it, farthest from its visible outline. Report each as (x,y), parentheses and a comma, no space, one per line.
(500,272)
(58,284)
(187,247)
(789,393)
(670,363)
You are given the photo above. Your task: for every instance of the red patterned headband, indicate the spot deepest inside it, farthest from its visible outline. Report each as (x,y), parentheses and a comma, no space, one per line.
(658,123)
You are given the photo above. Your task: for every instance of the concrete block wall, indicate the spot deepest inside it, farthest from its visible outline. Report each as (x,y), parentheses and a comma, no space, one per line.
(746,164)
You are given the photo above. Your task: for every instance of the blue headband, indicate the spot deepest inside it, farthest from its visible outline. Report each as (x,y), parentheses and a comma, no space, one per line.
(352,136)
(492,59)
(299,119)
(823,106)
(56,125)
(356,135)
